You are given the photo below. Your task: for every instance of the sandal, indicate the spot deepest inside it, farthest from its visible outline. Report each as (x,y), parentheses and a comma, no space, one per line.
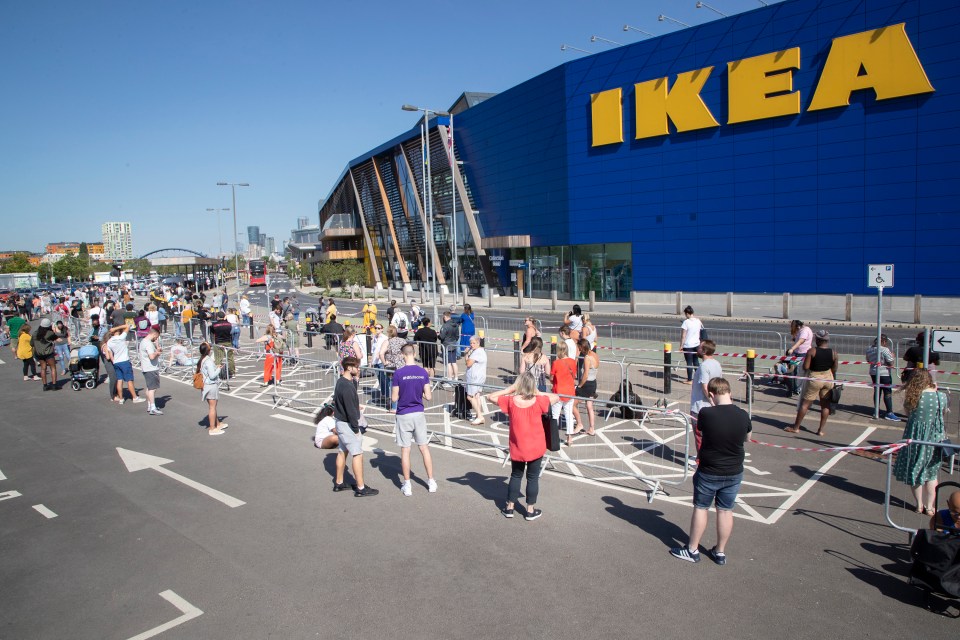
(792,430)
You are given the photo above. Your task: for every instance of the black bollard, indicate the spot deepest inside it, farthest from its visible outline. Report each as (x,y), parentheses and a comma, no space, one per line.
(751,367)
(553,349)
(667,367)
(516,353)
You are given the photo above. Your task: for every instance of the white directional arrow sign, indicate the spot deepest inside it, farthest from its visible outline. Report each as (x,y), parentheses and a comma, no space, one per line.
(945,341)
(136,461)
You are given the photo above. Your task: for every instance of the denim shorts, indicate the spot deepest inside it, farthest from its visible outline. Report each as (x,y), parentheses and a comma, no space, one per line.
(708,489)
(124,371)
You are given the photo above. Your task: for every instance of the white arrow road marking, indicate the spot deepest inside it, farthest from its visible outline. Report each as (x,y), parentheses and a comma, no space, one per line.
(2,477)
(188,610)
(45,512)
(136,461)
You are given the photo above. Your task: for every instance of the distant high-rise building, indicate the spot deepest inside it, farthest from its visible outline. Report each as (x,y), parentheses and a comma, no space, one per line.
(303,222)
(117,240)
(270,247)
(253,235)
(240,248)
(263,240)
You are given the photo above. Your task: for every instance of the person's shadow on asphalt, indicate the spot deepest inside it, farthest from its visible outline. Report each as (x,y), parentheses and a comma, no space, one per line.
(493,488)
(648,520)
(390,469)
(330,465)
(161,401)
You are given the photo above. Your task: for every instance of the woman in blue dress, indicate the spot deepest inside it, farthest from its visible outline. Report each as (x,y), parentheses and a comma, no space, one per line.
(467,327)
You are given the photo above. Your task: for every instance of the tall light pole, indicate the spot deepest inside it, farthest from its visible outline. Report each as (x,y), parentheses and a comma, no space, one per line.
(428,196)
(233,192)
(219,234)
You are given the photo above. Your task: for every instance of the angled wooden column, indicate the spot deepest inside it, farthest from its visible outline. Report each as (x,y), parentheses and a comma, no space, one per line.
(406,205)
(437,270)
(398,257)
(366,233)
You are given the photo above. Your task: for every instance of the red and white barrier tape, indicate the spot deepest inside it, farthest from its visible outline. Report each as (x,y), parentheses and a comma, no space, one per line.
(883,448)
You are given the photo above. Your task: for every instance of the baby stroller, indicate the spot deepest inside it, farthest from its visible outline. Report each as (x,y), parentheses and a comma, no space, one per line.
(936,564)
(85,370)
(313,322)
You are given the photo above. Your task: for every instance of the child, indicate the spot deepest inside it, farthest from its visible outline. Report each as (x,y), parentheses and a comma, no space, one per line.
(326,436)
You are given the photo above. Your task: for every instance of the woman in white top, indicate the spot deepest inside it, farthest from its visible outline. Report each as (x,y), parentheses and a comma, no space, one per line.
(589,332)
(326,435)
(574,320)
(211,390)
(153,316)
(690,342)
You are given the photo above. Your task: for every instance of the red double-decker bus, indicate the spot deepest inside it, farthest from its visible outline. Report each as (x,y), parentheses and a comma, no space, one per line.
(258,273)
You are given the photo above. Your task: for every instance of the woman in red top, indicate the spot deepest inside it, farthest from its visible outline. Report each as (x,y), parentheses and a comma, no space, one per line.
(528,440)
(564,374)
(273,364)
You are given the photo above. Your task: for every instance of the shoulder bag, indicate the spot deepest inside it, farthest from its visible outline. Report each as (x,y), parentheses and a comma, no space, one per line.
(198,379)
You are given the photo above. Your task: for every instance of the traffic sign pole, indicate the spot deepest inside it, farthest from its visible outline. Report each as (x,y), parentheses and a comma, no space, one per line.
(876,388)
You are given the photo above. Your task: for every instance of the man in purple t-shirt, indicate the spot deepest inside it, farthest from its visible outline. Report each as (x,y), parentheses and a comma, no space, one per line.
(410,387)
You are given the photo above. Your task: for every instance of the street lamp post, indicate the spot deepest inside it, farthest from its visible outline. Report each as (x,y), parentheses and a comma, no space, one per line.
(427,185)
(233,192)
(219,234)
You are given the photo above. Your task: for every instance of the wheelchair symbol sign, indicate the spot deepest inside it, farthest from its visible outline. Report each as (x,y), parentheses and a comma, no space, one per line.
(880,276)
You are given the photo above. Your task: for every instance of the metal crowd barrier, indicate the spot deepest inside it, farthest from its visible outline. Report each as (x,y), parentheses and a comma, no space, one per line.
(950,452)
(637,446)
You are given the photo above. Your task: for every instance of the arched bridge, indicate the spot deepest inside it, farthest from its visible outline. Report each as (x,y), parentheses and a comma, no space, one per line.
(172,252)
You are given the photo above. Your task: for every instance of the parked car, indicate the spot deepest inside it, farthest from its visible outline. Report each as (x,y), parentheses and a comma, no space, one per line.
(5,294)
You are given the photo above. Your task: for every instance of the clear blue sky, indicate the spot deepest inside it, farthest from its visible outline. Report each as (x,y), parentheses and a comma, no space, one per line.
(133,110)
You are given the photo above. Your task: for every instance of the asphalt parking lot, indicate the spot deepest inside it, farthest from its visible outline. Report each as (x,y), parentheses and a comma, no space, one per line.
(166,549)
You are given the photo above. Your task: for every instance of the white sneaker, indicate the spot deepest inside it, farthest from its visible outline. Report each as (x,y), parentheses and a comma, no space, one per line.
(120,401)
(138,399)
(406,488)
(431,485)
(215,432)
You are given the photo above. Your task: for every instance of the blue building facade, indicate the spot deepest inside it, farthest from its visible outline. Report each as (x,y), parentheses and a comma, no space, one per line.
(798,201)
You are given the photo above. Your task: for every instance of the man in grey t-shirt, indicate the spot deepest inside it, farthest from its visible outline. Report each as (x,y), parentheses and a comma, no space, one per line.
(699,396)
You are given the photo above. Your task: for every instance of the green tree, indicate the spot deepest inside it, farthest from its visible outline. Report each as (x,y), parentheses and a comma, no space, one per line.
(324,273)
(139,266)
(352,272)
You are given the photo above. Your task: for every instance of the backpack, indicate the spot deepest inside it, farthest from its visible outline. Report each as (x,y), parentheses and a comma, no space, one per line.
(402,323)
(279,344)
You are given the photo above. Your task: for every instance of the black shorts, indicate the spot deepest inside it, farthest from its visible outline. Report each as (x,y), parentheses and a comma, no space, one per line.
(588,390)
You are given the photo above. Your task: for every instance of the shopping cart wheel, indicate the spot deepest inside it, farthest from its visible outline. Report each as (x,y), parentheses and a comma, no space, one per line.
(76,386)
(91,384)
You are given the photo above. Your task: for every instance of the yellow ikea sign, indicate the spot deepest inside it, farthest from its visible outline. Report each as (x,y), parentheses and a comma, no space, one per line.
(762,87)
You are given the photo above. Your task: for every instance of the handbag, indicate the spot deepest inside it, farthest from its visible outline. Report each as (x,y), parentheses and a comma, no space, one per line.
(198,380)
(835,393)
(551,430)
(945,452)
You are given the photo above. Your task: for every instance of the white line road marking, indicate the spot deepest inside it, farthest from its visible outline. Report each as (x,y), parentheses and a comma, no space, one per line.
(45,512)
(188,610)
(6,495)
(2,477)
(756,471)
(806,486)
(135,461)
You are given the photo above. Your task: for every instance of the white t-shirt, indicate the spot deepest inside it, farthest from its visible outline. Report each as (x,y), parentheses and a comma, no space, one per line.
(118,347)
(397,318)
(477,372)
(96,311)
(153,317)
(575,322)
(245,306)
(326,427)
(147,349)
(180,354)
(692,326)
(232,319)
(572,350)
(275,320)
(707,371)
